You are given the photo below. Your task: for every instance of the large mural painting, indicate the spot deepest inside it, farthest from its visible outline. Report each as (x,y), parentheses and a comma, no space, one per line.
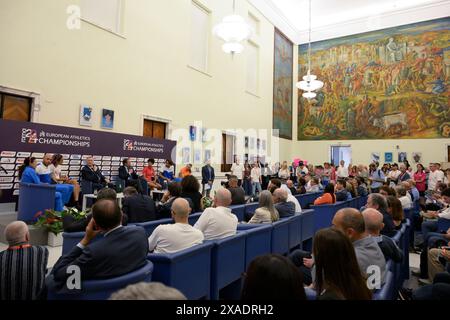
(282,85)
(391,83)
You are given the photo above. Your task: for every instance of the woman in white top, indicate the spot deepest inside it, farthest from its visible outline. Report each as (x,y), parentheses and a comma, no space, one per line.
(401,194)
(266,213)
(284,173)
(57,177)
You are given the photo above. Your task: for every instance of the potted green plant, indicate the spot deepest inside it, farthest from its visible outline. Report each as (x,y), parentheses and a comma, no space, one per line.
(53,221)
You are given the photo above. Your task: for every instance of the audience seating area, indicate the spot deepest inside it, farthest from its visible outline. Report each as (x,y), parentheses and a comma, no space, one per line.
(216,267)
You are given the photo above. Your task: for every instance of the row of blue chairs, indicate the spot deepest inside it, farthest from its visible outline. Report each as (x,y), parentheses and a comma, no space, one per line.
(71,239)
(218,265)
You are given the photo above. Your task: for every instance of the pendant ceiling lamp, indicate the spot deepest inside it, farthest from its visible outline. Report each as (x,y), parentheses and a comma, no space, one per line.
(233,30)
(310,82)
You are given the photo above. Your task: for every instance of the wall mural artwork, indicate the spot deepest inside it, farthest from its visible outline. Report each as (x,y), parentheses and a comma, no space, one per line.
(391,83)
(282,85)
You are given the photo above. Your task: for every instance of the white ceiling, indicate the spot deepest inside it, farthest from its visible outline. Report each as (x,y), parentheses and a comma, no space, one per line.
(331,18)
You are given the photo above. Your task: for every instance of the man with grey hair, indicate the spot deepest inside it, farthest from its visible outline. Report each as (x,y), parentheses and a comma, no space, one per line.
(351,223)
(169,238)
(284,207)
(378,202)
(148,291)
(22,266)
(218,222)
(373,220)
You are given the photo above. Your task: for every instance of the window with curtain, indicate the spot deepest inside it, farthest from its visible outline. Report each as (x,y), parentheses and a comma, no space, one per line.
(104,13)
(252,68)
(200,30)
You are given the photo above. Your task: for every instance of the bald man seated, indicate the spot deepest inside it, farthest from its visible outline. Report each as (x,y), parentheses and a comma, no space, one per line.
(169,238)
(218,222)
(373,220)
(351,223)
(22,266)
(284,207)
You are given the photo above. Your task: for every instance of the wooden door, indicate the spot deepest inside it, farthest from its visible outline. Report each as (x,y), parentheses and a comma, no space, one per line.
(15,107)
(154,129)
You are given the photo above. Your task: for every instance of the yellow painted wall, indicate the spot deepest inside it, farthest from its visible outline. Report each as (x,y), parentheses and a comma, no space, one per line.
(433,150)
(144,72)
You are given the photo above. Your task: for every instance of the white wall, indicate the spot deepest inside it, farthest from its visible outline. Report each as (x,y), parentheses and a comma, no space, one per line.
(143,72)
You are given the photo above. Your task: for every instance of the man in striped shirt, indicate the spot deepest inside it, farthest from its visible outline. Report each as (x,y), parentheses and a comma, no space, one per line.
(22,266)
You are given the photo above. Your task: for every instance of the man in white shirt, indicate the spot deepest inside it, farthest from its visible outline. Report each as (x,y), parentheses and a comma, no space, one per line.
(237,170)
(435,176)
(218,222)
(169,238)
(342,171)
(291,198)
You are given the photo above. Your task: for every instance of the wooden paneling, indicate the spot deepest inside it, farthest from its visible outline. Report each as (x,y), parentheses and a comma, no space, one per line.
(15,108)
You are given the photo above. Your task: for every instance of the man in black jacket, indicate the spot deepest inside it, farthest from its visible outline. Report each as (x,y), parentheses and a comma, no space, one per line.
(373,220)
(378,202)
(208,177)
(120,251)
(138,207)
(285,208)
(90,172)
(127,173)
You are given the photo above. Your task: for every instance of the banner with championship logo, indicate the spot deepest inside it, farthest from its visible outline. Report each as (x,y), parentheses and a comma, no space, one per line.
(19,140)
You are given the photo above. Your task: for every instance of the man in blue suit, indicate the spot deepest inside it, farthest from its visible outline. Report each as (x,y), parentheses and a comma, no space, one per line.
(208,177)
(121,250)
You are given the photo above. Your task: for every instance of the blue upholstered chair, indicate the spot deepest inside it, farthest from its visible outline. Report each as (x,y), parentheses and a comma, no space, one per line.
(34,198)
(295,232)
(307,199)
(71,239)
(387,291)
(227,266)
(280,236)
(239,211)
(257,241)
(102,289)
(193,218)
(307,224)
(324,214)
(150,226)
(188,270)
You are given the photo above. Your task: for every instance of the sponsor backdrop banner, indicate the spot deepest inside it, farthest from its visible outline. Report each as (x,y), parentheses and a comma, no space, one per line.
(19,140)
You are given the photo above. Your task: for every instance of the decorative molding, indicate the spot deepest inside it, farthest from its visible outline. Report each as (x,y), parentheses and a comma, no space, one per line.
(276,17)
(389,19)
(381,21)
